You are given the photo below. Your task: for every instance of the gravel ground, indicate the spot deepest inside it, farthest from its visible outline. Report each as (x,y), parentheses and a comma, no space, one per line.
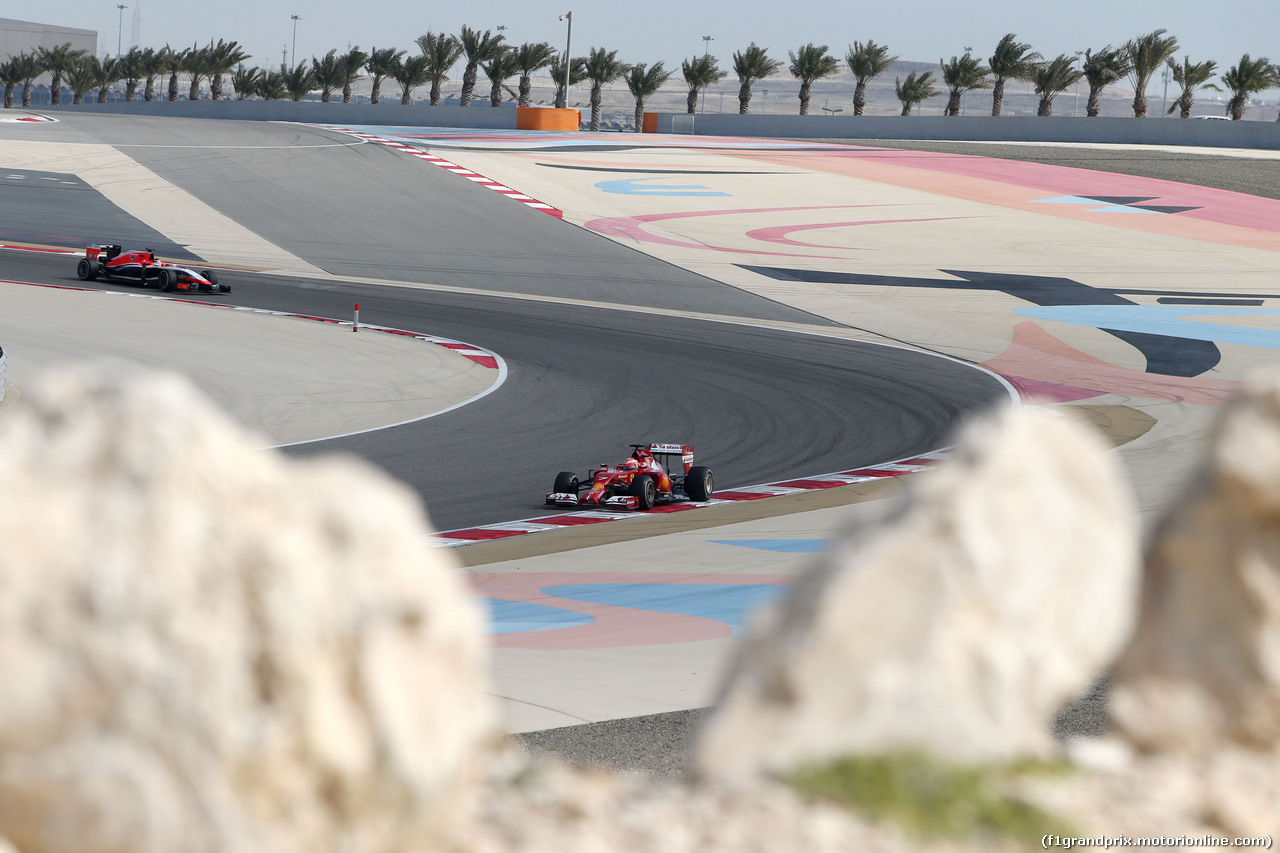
(660,745)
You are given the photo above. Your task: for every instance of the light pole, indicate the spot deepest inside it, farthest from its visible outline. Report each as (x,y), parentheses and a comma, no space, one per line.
(119,27)
(294,53)
(568,43)
(706,45)
(1164,75)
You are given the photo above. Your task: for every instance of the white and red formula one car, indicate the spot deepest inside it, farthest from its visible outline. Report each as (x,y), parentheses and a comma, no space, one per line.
(109,262)
(654,473)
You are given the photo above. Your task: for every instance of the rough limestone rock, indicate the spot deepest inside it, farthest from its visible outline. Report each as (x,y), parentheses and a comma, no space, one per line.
(544,807)
(208,647)
(1203,668)
(959,627)
(1233,793)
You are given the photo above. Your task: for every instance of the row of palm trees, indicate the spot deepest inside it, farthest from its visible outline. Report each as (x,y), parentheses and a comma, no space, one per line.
(1138,60)
(83,72)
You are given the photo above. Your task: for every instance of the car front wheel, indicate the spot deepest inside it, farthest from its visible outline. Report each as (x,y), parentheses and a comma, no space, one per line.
(166,281)
(566,483)
(643,490)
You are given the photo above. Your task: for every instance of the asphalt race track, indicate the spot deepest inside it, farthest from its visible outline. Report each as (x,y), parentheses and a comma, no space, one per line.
(758,404)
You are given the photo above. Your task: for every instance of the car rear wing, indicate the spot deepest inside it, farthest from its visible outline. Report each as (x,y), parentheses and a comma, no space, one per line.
(106,250)
(676,458)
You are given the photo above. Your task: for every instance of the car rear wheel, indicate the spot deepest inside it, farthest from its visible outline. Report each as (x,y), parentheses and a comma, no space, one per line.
(697,483)
(643,490)
(166,280)
(86,270)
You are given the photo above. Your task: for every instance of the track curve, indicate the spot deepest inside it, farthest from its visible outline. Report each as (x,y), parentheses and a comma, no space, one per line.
(759,404)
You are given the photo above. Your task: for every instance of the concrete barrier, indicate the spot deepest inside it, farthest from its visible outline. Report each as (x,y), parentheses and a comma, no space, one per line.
(312,112)
(3,363)
(1149,131)
(548,118)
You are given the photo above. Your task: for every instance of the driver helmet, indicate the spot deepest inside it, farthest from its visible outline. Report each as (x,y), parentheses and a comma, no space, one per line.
(630,465)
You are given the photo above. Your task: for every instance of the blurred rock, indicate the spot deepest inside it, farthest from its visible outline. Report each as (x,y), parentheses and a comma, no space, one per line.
(1203,668)
(1234,792)
(546,807)
(209,647)
(959,627)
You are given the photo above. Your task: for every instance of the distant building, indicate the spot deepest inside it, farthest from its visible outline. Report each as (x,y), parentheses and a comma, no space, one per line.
(24,37)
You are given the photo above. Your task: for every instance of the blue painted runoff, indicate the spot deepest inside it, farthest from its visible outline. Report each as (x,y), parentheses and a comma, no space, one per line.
(727,603)
(781,546)
(1165,320)
(636,186)
(512,617)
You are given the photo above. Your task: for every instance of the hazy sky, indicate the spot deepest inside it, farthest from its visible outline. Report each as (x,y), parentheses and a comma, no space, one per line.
(671,29)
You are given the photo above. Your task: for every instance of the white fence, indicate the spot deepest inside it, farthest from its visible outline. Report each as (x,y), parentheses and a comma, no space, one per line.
(1111,129)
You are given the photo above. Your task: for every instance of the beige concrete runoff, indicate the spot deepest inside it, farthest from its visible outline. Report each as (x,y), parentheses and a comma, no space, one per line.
(158,203)
(292,380)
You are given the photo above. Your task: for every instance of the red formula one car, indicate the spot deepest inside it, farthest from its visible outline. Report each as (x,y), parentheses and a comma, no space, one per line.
(109,262)
(654,473)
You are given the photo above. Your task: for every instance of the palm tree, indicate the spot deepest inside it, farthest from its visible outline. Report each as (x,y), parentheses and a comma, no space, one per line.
(57,61)
(104,72)
(271,86)
(1192,77)
(299,80)
(1146,54)
(412,73)
(175,62)
(246,81)
(1102,69)
(700,72)
(751,65)
(960,75)
(351,63)
(479,48)
(198,65)
(602,67)
(131,72)
(577,73)
(644,81)
(1012,60)
(914,90)
(21,68)
(1251,75)
(9,77)
(498,69)
(152,64)
(866,61)
(442,51)
(531,57)
(810,63)
(26,67)
(80,77)
(380,65)
(221,59)
(329,73)
(1052,77)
